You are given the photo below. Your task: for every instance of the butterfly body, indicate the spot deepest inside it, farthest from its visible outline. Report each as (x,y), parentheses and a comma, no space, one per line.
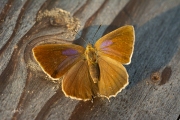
(92,71)
(92,59)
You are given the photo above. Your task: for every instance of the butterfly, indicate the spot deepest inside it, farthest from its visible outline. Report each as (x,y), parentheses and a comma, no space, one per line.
(92,71)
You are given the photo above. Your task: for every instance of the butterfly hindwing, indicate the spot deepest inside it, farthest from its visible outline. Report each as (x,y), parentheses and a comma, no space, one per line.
(118,44)
(57,59)
(77,82)
(113,77)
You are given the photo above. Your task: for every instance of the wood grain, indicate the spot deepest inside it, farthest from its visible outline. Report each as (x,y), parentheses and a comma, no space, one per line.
(28,93)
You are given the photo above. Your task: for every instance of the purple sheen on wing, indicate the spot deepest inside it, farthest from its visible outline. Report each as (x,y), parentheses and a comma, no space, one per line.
(105,49)
(69,52)
(106,43)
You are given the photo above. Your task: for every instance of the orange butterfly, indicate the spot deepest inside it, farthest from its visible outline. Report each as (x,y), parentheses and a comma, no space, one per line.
(92,71)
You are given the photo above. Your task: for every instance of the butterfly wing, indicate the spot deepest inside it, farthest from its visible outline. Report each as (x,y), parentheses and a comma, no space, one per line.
(77,82)
(57,59)
(118,44)
(113,77)
(113,50)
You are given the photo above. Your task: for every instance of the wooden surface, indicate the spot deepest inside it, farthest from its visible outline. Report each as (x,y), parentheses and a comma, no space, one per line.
(26,92)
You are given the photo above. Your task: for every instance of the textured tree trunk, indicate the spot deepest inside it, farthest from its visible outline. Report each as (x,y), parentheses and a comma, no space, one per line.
(26,92)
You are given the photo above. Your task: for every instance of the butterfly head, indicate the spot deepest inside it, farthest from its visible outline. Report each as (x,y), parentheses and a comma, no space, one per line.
(90,53)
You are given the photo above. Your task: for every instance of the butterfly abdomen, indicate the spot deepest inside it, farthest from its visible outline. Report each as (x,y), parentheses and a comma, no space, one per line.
(94,72)
(92,63)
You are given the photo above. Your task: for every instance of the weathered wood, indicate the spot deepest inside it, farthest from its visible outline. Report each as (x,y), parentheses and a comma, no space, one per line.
(26,92)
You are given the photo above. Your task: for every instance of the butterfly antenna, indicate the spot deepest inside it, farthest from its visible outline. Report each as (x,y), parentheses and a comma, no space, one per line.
(81,37)
(96,31)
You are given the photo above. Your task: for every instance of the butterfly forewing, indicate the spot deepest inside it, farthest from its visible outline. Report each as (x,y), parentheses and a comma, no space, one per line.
(113,77)
(77,82)
(118,44)
(57,59)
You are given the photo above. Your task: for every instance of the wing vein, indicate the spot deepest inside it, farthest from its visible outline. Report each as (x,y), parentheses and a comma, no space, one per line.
(114,69)
(76,74)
